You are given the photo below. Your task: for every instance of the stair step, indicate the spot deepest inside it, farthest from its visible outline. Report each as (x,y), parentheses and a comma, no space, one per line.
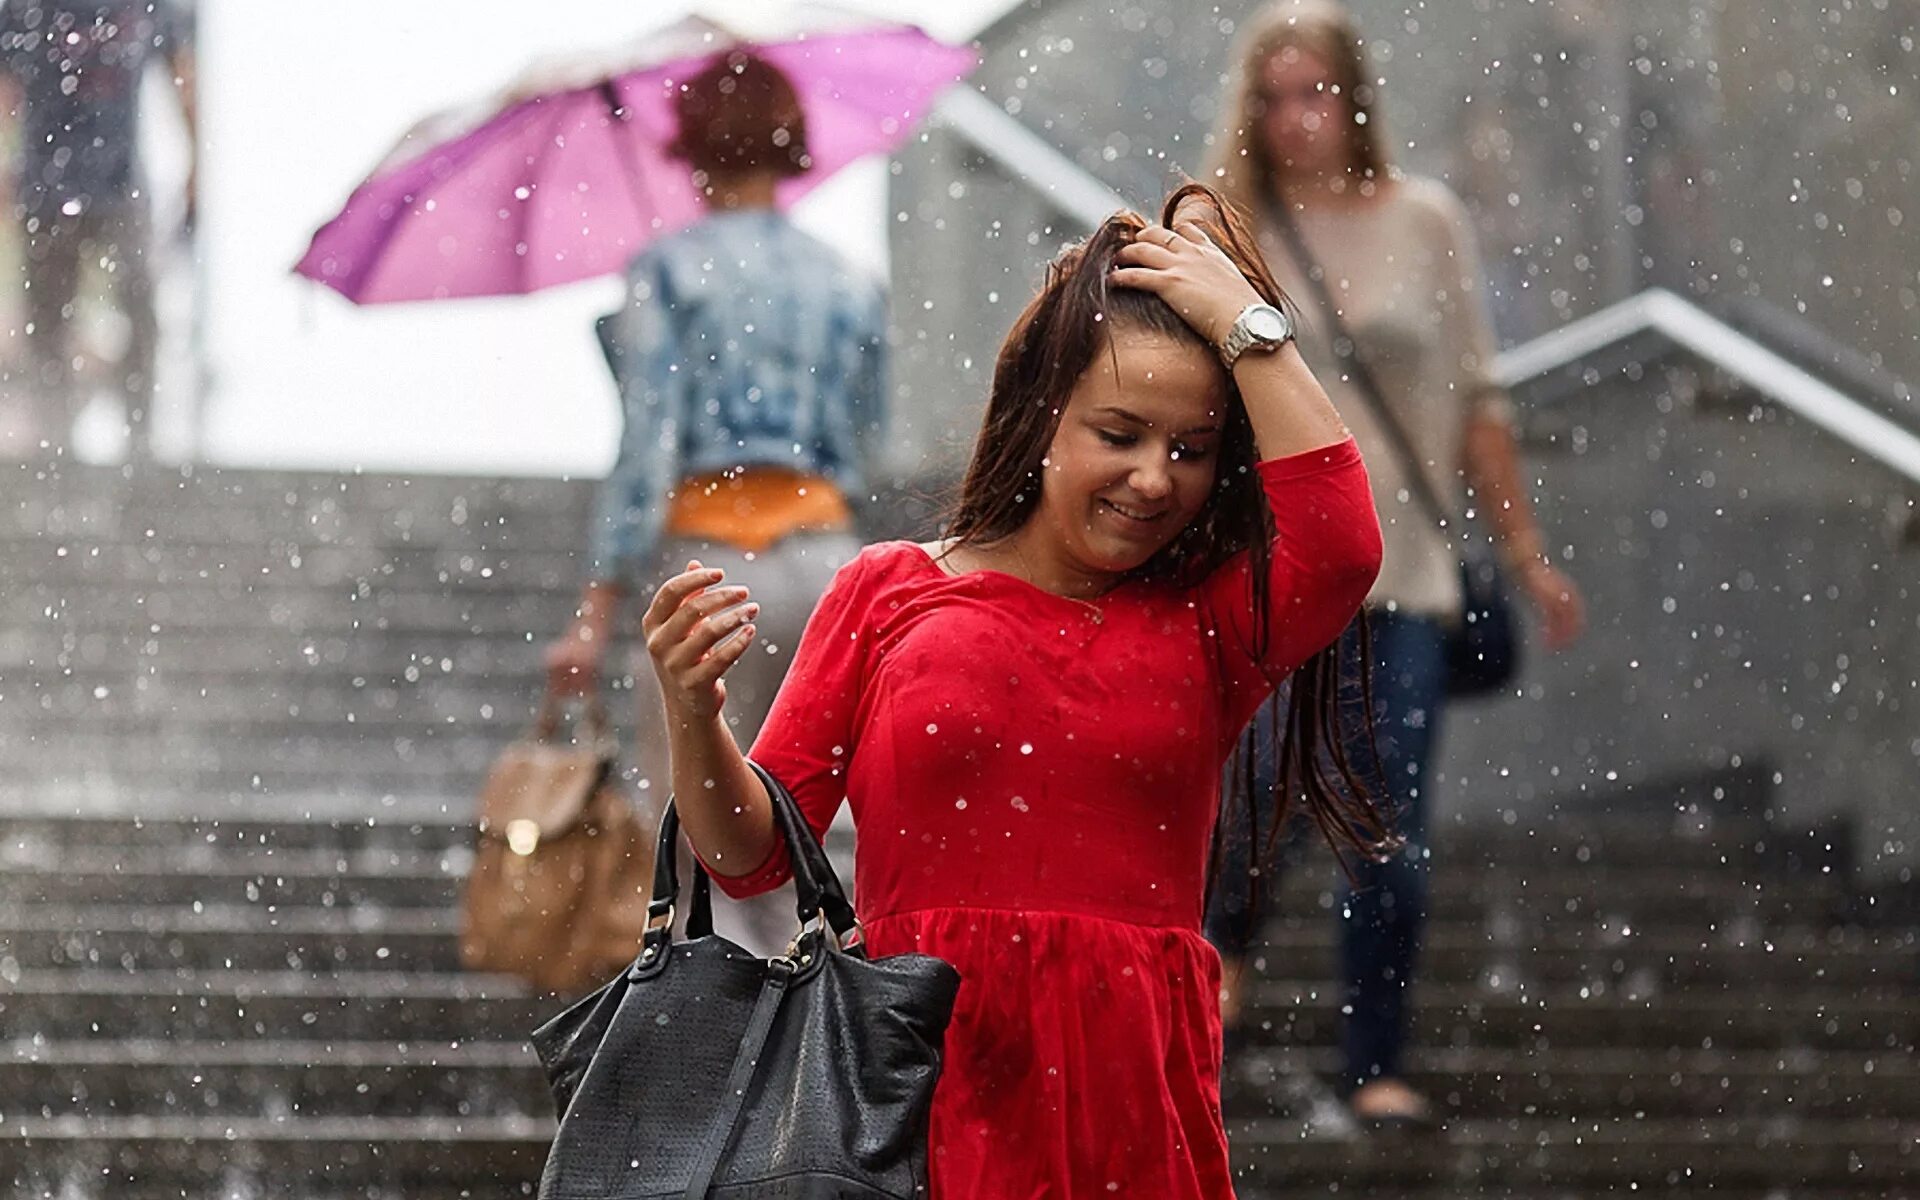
(80,496)
(265,1079)
(77,1004)
(38,937)
(261,714)
(1593,1082)
(1617,1156)
(254,527)
(284,562)
(187,655)
(311,797)
(1653,896)
(338,761)
(1336,1190)
(1752,1017)
(494,1156)
(502,1156)
(152,611)
(481,1078)
(225,1006)
(1682,844)
(1643,963)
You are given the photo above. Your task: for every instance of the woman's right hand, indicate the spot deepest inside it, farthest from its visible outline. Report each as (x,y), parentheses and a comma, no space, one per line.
(695,630)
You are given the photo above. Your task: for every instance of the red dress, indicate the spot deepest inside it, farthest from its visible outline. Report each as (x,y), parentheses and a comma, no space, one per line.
(1034,788)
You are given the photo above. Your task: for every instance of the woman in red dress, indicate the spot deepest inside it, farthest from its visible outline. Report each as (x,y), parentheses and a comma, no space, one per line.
(1164,518)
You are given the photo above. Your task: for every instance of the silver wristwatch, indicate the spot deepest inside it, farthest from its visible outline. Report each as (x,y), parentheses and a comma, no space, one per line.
(1258,327)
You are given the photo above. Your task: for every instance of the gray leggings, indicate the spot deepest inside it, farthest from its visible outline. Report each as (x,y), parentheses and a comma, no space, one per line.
(786,580)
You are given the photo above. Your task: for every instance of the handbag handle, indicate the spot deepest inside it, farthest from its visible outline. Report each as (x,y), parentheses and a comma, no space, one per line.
(1347,349)
(816,883)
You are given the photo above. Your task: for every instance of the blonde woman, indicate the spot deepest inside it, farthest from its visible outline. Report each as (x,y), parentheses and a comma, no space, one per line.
(1385,269)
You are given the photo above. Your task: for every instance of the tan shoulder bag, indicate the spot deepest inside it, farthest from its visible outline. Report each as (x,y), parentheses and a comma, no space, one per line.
(563,865)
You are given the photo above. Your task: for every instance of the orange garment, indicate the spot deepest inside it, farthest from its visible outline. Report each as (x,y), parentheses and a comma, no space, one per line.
(755,507)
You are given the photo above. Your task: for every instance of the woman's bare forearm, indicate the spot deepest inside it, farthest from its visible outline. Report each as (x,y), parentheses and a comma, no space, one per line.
(723,806)
(1289,409)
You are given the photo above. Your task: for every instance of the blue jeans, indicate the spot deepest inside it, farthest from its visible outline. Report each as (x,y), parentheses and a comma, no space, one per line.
(1384,911)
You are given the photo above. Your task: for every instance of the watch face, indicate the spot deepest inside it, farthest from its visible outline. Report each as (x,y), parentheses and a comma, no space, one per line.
(1267,324)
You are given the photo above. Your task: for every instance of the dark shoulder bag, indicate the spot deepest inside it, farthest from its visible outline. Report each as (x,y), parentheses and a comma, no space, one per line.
(705,1071)
(1483,649)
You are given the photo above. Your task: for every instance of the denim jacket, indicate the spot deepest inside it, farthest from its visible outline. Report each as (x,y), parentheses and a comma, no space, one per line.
(743,342)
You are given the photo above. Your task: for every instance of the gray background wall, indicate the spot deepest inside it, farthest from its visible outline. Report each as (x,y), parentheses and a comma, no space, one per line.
(1752,584)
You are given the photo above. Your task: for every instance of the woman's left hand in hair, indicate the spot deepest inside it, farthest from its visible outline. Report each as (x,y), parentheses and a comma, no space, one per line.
(1183,267)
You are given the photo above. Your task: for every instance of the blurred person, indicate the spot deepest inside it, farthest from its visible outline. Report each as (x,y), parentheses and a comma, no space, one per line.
(1162,519)
(1300,149)
(70,75)
(751,368)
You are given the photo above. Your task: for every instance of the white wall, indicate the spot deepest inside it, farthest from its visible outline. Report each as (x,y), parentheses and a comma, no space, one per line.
(298,103)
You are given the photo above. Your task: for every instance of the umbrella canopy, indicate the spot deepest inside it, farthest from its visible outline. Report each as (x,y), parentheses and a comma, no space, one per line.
(565,176)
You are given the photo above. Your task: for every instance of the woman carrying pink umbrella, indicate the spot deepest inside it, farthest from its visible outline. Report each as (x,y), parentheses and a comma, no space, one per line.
(749,359)
(750,364)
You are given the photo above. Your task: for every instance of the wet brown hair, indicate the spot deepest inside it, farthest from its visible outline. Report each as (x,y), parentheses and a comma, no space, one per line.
(740,114)
(1052,343)
(1237,163)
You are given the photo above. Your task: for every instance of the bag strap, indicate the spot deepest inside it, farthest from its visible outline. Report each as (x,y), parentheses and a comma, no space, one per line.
(734,1099)
(700,916)
(1347,350)
(666,885)
(814,880)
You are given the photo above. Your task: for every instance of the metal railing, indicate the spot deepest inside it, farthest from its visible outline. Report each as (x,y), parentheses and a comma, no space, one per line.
(1700,333)
(1027,157)
(1082,197)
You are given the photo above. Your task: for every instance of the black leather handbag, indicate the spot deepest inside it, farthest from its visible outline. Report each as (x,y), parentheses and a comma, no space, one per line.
(704,1071)
(1483,649)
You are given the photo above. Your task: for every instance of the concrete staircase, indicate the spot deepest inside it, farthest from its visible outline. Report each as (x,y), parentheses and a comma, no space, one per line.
(251,642)
(1669,1005)
(242,1008)
(241,720)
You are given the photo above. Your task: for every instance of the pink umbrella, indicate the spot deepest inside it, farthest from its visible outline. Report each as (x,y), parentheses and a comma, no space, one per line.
(563,180)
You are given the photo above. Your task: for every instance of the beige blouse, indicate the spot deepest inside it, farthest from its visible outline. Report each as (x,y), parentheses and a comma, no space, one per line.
(1405,274)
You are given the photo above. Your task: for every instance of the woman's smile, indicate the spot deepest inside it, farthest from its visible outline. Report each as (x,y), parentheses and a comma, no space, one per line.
(1136,519)
(1133,459)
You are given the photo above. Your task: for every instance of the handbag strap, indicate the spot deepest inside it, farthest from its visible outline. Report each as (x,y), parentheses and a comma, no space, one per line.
(815,883)
(700,916)
(734,1099)
(815,880)
(1347,350)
